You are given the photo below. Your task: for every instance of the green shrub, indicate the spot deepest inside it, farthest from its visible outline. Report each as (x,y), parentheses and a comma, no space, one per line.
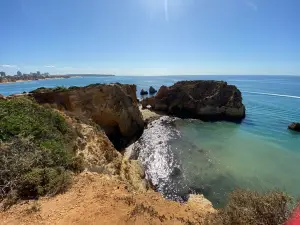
(46,90)
(39,90)
(36,150)
(73,88)
(253,208)
(39,182)
(60,88)
(21,116)
(77,164)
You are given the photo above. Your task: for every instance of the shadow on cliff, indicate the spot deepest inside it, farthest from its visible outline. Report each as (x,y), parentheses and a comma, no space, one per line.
(114,107)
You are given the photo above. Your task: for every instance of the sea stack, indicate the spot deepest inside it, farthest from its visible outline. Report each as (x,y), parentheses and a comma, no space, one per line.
(152,90)
(295,126)
(205,100)
(143,92)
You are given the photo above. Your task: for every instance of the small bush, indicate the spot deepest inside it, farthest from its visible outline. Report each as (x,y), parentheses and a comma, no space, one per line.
(47,90)
(21,116)
(73,88)
(60,88)
(39,90)
(36,151)
(77,164)
(39,182)
(35,207)
(252,208)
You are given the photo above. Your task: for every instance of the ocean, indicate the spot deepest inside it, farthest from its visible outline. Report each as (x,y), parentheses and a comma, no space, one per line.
(215,158)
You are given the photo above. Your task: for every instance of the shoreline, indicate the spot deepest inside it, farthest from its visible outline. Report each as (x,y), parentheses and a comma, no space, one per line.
(133,176)
(21,81)
(148,117)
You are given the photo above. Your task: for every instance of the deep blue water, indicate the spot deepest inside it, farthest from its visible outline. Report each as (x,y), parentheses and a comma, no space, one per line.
(260,153)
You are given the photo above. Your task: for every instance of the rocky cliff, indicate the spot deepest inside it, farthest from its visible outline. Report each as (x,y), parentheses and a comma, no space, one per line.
(206,100)
(114,107)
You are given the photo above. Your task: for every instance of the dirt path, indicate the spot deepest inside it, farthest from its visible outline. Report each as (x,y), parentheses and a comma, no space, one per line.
(100,199)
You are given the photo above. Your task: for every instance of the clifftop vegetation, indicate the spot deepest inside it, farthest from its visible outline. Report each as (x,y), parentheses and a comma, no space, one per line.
(36,150)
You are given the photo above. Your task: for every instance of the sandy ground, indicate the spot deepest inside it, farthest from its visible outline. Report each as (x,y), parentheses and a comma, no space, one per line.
(100,199)
(148,114)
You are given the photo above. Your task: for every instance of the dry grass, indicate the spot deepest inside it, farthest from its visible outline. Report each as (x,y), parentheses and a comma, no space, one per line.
(252,208)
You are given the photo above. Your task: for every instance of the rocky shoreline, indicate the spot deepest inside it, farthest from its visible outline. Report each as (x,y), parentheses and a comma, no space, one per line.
(102,120)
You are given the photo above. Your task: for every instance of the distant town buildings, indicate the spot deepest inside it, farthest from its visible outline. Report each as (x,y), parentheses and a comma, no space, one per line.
(27,77)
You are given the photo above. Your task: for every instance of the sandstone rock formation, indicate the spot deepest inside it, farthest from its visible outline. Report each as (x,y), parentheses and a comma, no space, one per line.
(143,92)
(295,127)
(152,90)
(100,156)
(206,100)
(114,107)
(102,199)
(98,152)
(132,171)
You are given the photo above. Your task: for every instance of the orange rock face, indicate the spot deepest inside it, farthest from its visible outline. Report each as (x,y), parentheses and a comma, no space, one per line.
(114,107)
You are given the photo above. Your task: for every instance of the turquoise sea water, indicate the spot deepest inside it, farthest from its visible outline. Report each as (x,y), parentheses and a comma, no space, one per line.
(260,153)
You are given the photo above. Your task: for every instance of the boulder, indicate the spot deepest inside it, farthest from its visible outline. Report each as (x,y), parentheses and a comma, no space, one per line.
(206,100)
(295,126)
(114,107)
(143,92)
(2,97)
(152,90)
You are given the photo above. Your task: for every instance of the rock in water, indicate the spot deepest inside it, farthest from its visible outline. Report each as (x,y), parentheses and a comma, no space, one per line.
(152,90)
(206,100)
(114,107)
(295,127)
(143,92)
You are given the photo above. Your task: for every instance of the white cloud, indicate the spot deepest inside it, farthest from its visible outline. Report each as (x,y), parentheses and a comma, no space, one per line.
(50,66)
(252,5)
(66,68)
(8,66)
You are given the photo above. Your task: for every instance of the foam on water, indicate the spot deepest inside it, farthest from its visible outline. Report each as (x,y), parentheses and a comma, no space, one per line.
(271,94)
(162,164)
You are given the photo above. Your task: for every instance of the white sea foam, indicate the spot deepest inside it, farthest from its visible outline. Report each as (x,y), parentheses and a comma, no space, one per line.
(272,94)
(162,166)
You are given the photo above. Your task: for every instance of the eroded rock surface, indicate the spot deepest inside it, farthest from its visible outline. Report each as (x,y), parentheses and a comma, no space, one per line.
(206,100)
(99,153)
(114,107)
(295,127)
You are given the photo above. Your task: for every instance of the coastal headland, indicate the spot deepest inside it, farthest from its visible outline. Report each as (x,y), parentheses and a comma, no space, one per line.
(65,147)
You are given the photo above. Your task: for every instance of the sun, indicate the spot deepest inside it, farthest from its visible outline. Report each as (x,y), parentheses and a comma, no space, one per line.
(168,10)
(157,7)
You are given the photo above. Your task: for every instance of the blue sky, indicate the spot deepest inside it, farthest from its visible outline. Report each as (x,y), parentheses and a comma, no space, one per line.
(150,37)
